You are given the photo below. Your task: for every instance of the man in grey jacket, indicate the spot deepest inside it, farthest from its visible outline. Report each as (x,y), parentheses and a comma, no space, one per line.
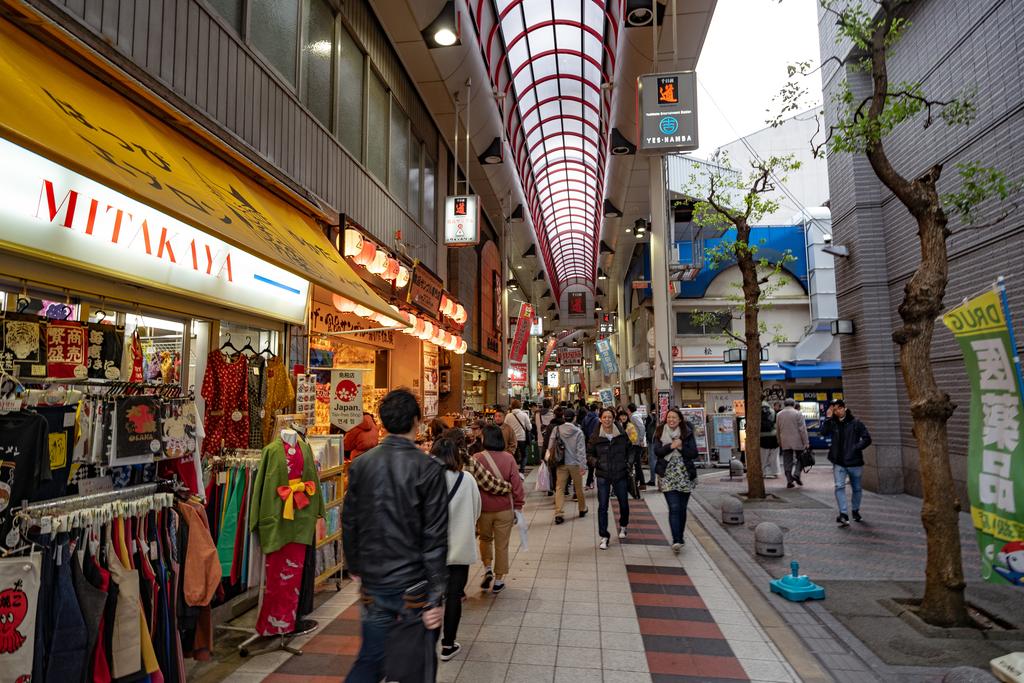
(567,451)
(792,432)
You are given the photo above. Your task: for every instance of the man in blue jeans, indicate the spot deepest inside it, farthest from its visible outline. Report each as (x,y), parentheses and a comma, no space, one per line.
(846,453)
(395,532)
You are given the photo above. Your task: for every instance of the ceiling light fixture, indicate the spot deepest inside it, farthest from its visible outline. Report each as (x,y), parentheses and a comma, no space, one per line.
(605,249)
(610,211)
(601,274)
(443,31)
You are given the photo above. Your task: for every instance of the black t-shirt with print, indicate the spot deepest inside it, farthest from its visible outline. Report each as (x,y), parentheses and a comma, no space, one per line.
(24,462)
(60,427)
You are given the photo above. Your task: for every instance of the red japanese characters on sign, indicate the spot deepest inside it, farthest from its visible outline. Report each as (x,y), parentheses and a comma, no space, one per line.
(547,355)
(522,335)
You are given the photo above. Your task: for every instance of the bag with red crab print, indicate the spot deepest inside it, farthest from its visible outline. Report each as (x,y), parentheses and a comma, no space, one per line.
(19,591)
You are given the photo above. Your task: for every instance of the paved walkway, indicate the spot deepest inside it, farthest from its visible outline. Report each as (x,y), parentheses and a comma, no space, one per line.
(571,612)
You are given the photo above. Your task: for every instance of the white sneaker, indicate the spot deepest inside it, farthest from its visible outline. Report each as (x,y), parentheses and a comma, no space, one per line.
(604,543)
(622,532)
(676,547)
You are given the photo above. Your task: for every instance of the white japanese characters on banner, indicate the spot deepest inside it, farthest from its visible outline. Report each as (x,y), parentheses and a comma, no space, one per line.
(346,398)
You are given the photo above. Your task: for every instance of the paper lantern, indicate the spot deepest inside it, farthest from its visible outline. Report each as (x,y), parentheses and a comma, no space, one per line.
(379,263)
(427,332)
(391,271)
(342,304)
(366,254)
(460,314)
(403,277)
(353,243)
(444,304)
(364,312)
(463,347)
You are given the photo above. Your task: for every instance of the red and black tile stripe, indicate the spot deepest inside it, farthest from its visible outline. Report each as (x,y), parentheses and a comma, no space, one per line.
(643,528)
(681,639)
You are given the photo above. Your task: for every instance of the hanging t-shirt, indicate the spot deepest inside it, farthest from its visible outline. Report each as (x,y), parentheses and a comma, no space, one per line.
(24,463)
(136,431)
(60,426)
(66,349)
(106,346)
(19,593)
(24,345)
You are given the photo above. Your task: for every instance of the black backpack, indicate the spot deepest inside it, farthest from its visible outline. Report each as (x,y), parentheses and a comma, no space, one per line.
(767,419)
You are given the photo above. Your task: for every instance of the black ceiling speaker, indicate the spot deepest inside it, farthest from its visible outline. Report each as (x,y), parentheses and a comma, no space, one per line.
(638,13)
(531,252)
(620,145)
(517,214)
(610,211)
(493,154)
(605,249)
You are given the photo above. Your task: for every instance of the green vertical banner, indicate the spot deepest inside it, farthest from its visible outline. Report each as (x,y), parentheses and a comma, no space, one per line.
(995,458)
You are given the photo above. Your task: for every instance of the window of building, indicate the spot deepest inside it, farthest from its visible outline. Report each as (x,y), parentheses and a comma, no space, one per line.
(415,178)
(230,11)
(378,117)
(274,31)
(429,193)
(351,64)
(685,324)
(398,181)
(317,58)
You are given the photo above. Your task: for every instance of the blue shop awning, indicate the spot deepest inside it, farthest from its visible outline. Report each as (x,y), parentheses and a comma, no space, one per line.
(827,368)
(722,372)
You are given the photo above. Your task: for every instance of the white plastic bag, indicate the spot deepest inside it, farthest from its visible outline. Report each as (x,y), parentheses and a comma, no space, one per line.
(543,478)
(521,523)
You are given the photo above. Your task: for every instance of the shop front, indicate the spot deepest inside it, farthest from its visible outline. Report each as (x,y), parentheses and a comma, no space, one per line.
(147,291)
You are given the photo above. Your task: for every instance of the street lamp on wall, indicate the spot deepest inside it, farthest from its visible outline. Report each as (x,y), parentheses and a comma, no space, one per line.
(842,327)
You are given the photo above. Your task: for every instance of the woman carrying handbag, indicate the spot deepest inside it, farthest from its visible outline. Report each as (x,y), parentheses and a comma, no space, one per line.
(676,448)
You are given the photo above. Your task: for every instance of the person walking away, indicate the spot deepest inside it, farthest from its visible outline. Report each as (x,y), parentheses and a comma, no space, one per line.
(495,524)
(541,422)
(769,442)
(361,438)
(392,552)
(676,445)
(557,420)
(651,423)
(568,452)
(608,455)
(463,511)
(793,440)
(591,423)
(640,446)
(485,481)
(846,453)
(519,419)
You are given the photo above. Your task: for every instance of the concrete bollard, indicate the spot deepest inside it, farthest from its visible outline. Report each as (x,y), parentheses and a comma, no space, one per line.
(732,510)
(768,540)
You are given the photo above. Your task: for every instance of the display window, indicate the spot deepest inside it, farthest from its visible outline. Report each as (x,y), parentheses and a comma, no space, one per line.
(327,356)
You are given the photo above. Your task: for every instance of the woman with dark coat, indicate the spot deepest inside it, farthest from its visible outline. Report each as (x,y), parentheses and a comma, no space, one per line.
(608,453)
(674,443)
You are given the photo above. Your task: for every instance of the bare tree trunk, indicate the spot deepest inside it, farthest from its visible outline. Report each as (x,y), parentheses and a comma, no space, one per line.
(752,335)
(930,408)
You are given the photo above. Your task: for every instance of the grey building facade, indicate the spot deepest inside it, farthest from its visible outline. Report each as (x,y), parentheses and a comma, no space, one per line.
(950,46)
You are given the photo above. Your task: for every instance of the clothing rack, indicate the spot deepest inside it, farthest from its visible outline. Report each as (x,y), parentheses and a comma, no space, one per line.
(116,387)
(71,503)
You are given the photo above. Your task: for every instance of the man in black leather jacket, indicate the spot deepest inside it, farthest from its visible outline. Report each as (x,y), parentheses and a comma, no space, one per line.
(395,530)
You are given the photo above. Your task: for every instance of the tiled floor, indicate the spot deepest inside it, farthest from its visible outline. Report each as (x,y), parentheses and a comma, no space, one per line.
(571,612)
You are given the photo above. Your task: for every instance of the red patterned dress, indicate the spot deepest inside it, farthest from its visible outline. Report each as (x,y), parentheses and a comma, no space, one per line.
(225,390)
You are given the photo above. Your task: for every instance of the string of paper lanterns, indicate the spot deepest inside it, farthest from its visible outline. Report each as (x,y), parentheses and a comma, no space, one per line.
(367,254)
(415,326)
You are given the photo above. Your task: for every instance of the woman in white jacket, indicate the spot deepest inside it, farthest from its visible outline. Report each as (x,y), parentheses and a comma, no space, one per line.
(463,511)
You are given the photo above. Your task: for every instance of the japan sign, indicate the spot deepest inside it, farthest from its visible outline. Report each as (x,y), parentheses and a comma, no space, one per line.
(667,112)
(995,454)
(346,398)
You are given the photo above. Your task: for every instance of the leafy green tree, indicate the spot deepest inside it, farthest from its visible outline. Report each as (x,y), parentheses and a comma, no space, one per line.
(863,125)
(727,199)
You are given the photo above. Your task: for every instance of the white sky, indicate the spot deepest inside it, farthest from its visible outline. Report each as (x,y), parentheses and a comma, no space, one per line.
(743,65)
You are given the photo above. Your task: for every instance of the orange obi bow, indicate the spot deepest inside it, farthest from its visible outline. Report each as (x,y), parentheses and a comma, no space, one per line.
(295,495)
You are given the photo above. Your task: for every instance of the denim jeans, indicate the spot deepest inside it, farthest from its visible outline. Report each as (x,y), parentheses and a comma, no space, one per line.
(677,502)
(840,474)
(652,460)
(381,608)
(604,491)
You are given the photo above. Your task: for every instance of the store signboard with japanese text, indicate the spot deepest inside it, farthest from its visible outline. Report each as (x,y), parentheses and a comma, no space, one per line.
(424,290)
(570,356)
(536,325)
(521,338)
(667,106)
(607,398)
(577,304)
(491,292)
(664,397)
(49,210)
(553,379)
(517,374)
(462,220)
(324,318)
(346,398)
(995,452)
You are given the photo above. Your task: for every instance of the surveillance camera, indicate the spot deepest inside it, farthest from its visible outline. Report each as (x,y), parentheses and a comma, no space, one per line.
(827,239)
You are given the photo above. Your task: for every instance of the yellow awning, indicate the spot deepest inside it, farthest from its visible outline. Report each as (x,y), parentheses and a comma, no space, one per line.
(52,107)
